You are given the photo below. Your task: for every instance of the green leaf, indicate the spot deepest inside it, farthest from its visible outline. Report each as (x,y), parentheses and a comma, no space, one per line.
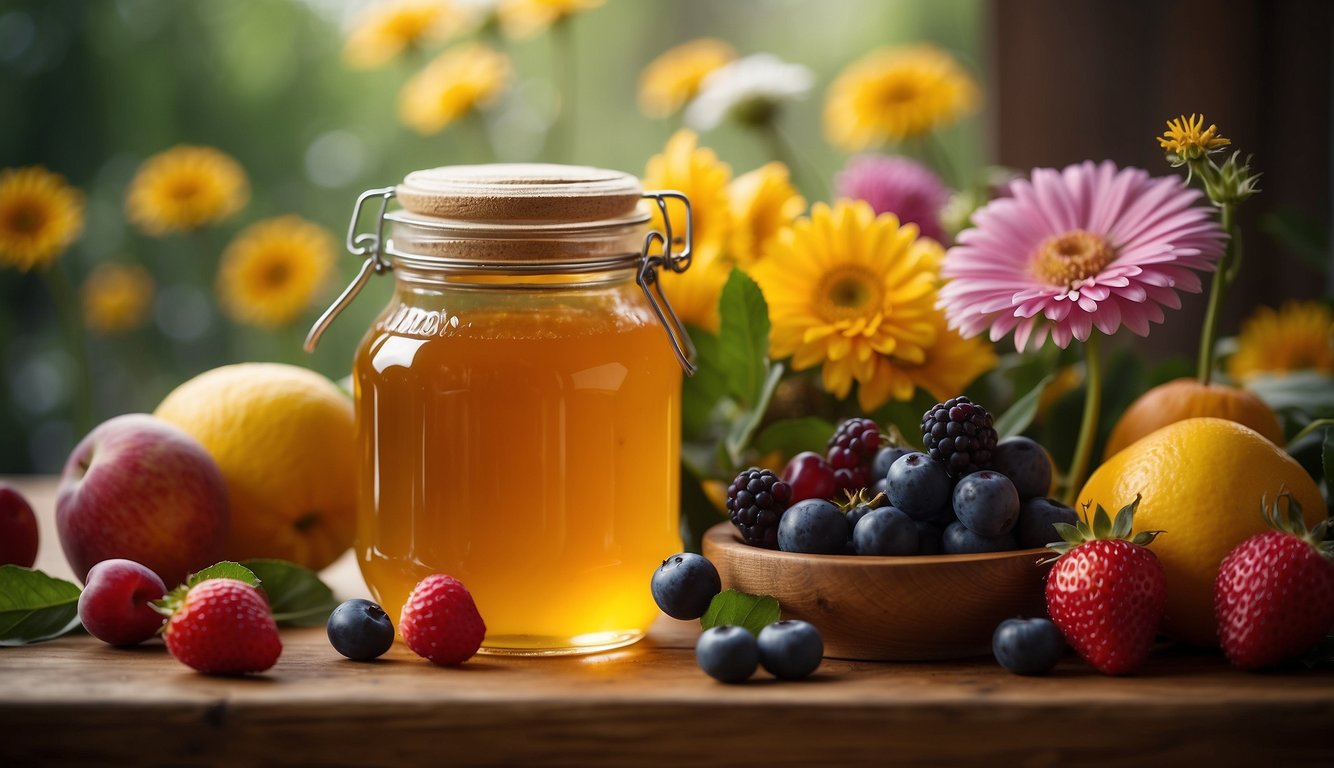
(744,339)
(226,569)
(1102,523)
(698,513)
(743,428)
(1311,392)
(740,609)
(1300,234)
(296,595)
(792,436)
(1125,519)
(35,606)
(1069,533)
(700,393)
(1020,415)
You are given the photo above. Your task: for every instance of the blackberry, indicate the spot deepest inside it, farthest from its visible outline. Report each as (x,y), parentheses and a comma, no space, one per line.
(756,500)
(959,434)
(852,451)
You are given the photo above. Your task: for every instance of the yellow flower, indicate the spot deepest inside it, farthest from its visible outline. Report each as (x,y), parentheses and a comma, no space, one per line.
(702,177)
(1188,139)
(896,93)
(673,78)
(40,216)
(116,298)
(185,188)
(1298,337)
(272,271)
(951,364)
(386,29)
(763,202)
(524,18)
(463,78)
(854,293)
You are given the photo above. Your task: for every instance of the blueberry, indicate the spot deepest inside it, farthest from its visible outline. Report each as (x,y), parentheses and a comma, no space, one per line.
(1036,516)
(684,585)
(918,485)
(360,630)
(727,654)
(928,538)
(790,650)
(886,531)
(813,526)
(884,458)
(880,486)
(958,539)
(1027,646)
(987,503)
(857,513)
(1026,463)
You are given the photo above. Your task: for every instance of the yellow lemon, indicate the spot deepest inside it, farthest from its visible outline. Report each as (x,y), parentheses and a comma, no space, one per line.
(285,440)
(1202,482)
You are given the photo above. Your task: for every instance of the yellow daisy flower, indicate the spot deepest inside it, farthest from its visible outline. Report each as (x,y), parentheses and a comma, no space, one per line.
(673,79)
(385,30)
(40,216)
(525,18)
(116,298)
(763,202)
(463,78)
(1188,139)
(854,293)
(273,270)
(950,365)
(893,94)
(185,188)
(1298,337)
(702,177)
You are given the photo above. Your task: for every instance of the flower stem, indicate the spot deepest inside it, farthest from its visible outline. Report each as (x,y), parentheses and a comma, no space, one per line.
(1088,429)
(1223,274)
(934,153)
(781,149)
(71,317)
(562,129)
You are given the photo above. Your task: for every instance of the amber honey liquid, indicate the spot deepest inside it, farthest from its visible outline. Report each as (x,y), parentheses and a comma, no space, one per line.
(527,445)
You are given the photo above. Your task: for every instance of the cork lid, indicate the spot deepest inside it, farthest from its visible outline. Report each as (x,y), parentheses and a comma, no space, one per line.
(515,193)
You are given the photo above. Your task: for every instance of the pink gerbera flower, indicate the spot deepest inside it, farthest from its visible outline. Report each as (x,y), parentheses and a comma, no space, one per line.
(1091,246)
(896,185)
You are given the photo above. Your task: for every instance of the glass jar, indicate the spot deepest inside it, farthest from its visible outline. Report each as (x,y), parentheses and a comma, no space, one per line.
(518,400)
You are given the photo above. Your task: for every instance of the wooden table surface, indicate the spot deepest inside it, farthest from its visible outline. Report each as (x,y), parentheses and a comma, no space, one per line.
(77,701)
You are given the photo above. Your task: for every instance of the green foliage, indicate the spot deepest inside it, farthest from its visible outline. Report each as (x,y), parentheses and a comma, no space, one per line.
(296,595)
(34,606)
(741,609)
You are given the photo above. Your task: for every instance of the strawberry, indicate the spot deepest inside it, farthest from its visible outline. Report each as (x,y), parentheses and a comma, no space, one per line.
(440,621)
(222,627)
(1274,596)
(1106,593)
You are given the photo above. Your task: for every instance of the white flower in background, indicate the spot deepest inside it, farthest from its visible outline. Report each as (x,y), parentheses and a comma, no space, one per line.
(748,90)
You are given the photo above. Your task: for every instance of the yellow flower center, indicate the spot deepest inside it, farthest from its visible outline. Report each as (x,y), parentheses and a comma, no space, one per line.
(899,91)
(25,218)
(847,294)
(1068,258)
(183,189)
(275,274)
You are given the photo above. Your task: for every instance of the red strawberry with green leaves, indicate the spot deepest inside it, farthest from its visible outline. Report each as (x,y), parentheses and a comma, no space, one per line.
(1274,596)
(1106,593)
(221,626)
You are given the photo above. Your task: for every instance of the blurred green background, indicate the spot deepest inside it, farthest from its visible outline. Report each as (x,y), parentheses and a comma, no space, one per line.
(91,89)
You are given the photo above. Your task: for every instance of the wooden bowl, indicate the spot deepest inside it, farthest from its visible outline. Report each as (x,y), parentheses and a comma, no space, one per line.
(888,608)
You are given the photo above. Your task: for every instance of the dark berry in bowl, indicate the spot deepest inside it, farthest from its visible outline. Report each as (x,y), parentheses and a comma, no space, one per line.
(727,654)
(1036,519)
(886,531)
(986,502)
(684,585)
(810,477)
(929,538)
(959,539)
(918,486)
(756,500)
(815,527)
(790,650)
(884,458)
(1028,646)
(851,453)
(1026,463)
(959,434)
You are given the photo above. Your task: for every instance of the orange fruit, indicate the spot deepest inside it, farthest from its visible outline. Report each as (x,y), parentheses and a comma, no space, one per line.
(285,440)
(1202,481)
(1187,399)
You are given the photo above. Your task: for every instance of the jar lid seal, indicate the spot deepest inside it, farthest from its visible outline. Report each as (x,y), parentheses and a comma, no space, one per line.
(537,193)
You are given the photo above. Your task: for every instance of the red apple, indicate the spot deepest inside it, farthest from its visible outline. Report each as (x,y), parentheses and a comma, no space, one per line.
(140,489)
(18,529)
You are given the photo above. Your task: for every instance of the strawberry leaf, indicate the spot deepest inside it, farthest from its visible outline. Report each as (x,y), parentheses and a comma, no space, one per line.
(1102,524)
(226,569)
(1125,519)
(1069,533)
(296,595)
(34,606)
(740,609)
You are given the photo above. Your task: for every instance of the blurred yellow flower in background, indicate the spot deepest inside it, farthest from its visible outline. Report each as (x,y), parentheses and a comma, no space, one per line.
(1298,337)
(116,298)
(673,79)
(385,30)
(703,178)
(854,293)
(763,202)
(893,94)
(185,188)
(464,78)
(272,271)
(40,216)
(524,18)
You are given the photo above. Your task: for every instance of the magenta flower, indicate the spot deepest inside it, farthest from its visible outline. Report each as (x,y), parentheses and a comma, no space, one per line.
(896,185)
(1091,246)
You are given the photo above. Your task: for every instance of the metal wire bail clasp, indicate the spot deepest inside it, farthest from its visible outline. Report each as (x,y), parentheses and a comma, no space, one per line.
(678,262)
(367,244)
